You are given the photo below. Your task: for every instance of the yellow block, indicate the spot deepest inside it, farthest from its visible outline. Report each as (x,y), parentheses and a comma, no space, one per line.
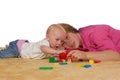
(91,61)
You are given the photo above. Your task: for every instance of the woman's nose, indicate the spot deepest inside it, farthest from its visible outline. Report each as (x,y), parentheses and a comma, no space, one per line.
(66,42)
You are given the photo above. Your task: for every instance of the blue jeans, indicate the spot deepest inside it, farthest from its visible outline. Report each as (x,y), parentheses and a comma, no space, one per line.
(11,51)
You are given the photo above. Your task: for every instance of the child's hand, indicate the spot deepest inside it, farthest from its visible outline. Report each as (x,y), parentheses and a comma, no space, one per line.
(60,51)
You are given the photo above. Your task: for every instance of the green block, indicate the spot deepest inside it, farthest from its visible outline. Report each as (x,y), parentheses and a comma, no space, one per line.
(51,59)
(46,68)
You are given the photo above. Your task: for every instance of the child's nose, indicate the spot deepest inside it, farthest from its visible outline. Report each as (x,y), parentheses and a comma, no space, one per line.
(59,43)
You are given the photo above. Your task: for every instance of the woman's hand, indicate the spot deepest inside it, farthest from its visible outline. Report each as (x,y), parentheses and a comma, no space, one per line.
(77,55)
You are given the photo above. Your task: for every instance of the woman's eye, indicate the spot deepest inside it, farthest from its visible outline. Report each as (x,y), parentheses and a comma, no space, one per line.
(66,37)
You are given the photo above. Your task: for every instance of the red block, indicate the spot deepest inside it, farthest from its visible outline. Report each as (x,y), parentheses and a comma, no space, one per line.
(64,55)
(97,61)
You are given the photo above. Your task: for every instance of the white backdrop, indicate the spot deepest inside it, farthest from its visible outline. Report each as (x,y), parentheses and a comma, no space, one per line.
(29,19)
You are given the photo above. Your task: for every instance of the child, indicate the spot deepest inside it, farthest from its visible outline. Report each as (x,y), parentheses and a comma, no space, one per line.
(52,44)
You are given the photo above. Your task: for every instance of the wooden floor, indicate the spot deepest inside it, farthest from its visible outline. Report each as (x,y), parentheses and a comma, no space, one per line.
(28,69)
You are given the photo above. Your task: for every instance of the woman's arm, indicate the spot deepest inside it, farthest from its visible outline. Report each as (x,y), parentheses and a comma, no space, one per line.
(107,55)
(48,50)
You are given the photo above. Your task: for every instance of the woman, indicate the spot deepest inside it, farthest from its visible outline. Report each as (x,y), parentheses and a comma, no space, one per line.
(97,42)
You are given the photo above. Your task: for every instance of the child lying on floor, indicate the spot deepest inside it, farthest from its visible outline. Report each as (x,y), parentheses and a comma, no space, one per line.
(52,44)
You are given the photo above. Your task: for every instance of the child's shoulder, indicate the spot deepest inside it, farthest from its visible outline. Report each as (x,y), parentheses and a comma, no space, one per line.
(44,42)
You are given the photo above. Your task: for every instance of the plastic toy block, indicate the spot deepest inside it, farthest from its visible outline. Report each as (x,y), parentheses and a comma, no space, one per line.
(64,55)
(87,66)
(55,60)
(97,61)
(91,61)
(51,59)
(80,65)
(56,63)
(46,68)
(63,63)
(60,60)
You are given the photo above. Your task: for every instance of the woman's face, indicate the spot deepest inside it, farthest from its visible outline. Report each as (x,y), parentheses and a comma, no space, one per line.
(72,41)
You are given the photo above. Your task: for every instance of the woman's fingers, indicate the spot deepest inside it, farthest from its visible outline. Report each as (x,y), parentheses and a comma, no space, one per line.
(71,53)
(74,55)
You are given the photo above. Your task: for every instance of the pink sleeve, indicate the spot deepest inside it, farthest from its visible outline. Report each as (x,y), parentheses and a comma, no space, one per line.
(102,41)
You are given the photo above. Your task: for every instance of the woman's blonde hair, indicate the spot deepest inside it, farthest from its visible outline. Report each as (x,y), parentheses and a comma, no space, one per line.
(64,26)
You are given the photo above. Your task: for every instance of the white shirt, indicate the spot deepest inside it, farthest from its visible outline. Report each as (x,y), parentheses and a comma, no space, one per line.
(32,50)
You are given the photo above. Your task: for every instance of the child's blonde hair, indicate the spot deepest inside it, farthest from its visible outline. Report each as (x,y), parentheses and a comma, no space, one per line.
(64,26)
(68,28)
(53,27)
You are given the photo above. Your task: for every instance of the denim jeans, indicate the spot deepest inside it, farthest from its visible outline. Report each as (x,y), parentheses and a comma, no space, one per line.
(11,51)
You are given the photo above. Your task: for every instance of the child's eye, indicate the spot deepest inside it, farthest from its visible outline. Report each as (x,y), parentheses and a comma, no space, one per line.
(57,39)
(62,42)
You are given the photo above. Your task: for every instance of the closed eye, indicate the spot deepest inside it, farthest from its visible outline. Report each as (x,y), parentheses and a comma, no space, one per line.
(57,39)
(66,37)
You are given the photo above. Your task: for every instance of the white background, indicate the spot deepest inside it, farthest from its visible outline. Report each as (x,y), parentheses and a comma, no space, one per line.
(29,19)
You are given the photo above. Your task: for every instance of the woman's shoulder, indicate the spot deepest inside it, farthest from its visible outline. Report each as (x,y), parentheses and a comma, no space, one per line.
(95,27)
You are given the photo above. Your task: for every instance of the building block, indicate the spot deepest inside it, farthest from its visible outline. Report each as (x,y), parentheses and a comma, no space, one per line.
(64,55)
(51,59)
(87,66)
(91,61)
(46,68)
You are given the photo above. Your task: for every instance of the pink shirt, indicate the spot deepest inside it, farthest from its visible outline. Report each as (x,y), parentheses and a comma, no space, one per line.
(100,37)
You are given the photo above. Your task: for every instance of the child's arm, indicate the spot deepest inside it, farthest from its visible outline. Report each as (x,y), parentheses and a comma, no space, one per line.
(48,50)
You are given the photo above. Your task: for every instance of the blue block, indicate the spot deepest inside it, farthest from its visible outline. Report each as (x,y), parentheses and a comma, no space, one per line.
(87,66)
(63,63)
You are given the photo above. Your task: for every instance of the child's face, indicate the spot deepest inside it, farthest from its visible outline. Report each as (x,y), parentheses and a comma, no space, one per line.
(56,37)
